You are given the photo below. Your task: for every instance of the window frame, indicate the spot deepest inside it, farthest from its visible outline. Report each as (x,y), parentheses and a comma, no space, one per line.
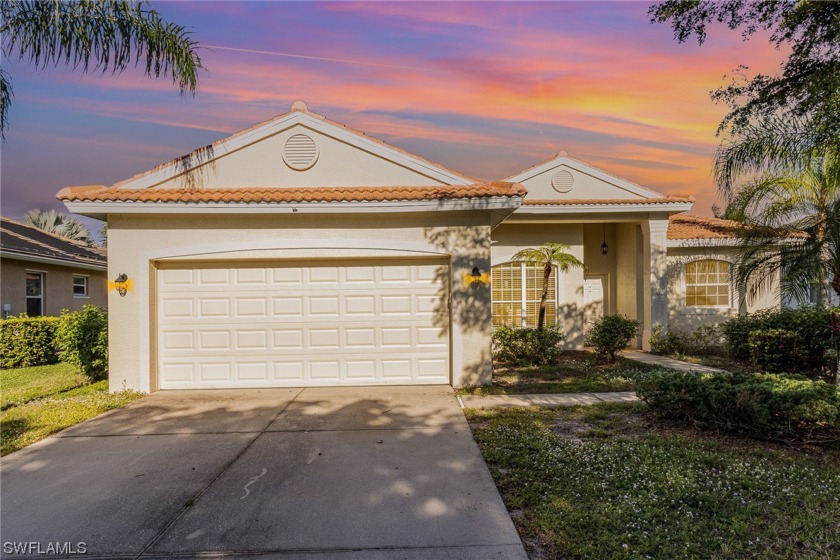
(42,297)
(523,293)
(86,280)
(729,285)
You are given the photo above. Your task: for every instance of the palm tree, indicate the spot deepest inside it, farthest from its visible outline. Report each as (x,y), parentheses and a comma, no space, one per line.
(548,255)
(59,224)
(94,36)
(788,200)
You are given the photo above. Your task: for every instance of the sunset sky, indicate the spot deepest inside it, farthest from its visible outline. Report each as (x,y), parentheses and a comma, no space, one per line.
(484,88)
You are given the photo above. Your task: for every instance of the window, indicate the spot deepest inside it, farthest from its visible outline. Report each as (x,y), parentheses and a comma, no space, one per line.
(516,289)
(34,294)
(80,286)
(707,284)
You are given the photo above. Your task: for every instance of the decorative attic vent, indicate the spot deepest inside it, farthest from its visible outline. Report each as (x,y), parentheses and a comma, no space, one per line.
(563,181)
(300,152)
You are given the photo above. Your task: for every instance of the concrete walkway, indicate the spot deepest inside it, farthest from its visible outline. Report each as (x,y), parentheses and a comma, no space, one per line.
(547,399)
(666,362)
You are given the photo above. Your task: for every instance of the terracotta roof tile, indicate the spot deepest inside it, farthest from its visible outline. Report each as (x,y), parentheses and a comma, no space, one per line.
(683,226)
(607,202)
(287,195)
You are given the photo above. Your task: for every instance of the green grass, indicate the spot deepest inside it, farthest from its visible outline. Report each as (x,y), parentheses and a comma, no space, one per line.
(40,401)
(575,372)
(610,482)
(720,362)
(21,385)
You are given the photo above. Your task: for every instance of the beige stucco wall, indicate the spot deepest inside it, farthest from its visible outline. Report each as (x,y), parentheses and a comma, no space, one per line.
(261,165)
(508,239)
(58,289)
(585,186)
(137,242)
(684,318)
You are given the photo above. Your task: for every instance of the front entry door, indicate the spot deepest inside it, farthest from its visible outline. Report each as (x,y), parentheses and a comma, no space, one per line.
(593,300)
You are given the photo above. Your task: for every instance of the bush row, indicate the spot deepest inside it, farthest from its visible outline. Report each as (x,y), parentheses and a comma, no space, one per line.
(812,325)
(763,405)
(28,341)
(79,338)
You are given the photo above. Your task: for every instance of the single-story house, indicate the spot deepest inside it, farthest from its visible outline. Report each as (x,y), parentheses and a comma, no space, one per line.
(300,252)
(43,273)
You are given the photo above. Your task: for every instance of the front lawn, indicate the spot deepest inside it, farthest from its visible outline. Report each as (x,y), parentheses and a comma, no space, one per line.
(39,401)
(609,481)
(574,372)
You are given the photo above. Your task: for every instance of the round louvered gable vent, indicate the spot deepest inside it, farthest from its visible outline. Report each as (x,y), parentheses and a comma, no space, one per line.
(300,152)
(563,181)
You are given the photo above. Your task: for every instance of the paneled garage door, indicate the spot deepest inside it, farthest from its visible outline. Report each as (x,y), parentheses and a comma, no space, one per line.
(295,324)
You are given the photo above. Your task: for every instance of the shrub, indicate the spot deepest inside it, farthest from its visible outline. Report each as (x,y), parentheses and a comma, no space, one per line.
(527,346)
(764,405)
(28,341)
(703,341)
(611,334)
(82,336)
(776,350)
(812,324)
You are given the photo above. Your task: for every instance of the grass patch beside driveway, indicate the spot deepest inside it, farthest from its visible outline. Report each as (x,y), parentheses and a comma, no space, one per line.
(609,481)
(39,401)
(574,372)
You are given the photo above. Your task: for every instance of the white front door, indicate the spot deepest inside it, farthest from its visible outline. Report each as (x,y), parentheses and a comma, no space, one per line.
(593,300)
(319,323)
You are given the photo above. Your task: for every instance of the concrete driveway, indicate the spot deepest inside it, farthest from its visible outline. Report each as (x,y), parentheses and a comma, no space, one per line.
(344,473)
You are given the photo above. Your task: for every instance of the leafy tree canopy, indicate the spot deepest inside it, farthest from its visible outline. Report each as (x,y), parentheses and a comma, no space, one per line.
(808,85)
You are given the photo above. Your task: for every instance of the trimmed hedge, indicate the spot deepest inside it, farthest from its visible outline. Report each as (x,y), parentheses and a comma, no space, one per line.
(82,336)
(703,341)
(776,350)
(527,346)
(611,334)
(28,341)
(762,405)
(812,324)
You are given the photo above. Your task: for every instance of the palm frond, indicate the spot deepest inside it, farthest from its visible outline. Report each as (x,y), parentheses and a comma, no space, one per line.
(774,145)
(97,36)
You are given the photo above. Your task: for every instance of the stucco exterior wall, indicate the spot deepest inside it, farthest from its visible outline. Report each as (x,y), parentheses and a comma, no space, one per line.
(261,165)
(58,286)
(137,242)
(683,318)
(625,269)
(584,186)
(508,239)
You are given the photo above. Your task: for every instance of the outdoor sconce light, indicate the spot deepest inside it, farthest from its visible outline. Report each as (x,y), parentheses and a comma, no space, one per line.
(475,277)
(121,284)
(604,247)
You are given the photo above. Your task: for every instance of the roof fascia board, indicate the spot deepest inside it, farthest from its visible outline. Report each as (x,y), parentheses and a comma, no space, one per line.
(587,170)
(641,206)
(7,254)
(226,147)
(103,208)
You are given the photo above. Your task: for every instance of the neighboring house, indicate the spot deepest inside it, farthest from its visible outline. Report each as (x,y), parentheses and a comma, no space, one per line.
(302,253)
(43,273)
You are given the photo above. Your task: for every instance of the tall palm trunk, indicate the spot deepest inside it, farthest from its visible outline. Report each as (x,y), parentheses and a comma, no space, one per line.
(544,296)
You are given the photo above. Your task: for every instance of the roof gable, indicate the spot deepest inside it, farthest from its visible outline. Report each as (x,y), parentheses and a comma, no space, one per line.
(563,177)
(296,149)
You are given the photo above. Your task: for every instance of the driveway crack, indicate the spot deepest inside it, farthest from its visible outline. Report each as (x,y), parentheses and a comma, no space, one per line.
(190,502)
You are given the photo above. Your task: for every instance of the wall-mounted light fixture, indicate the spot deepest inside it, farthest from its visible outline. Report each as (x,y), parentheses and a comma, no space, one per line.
(604,247)
(475,277)
(121,284)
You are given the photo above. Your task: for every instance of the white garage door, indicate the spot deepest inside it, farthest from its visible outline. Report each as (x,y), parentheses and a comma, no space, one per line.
(297,324)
